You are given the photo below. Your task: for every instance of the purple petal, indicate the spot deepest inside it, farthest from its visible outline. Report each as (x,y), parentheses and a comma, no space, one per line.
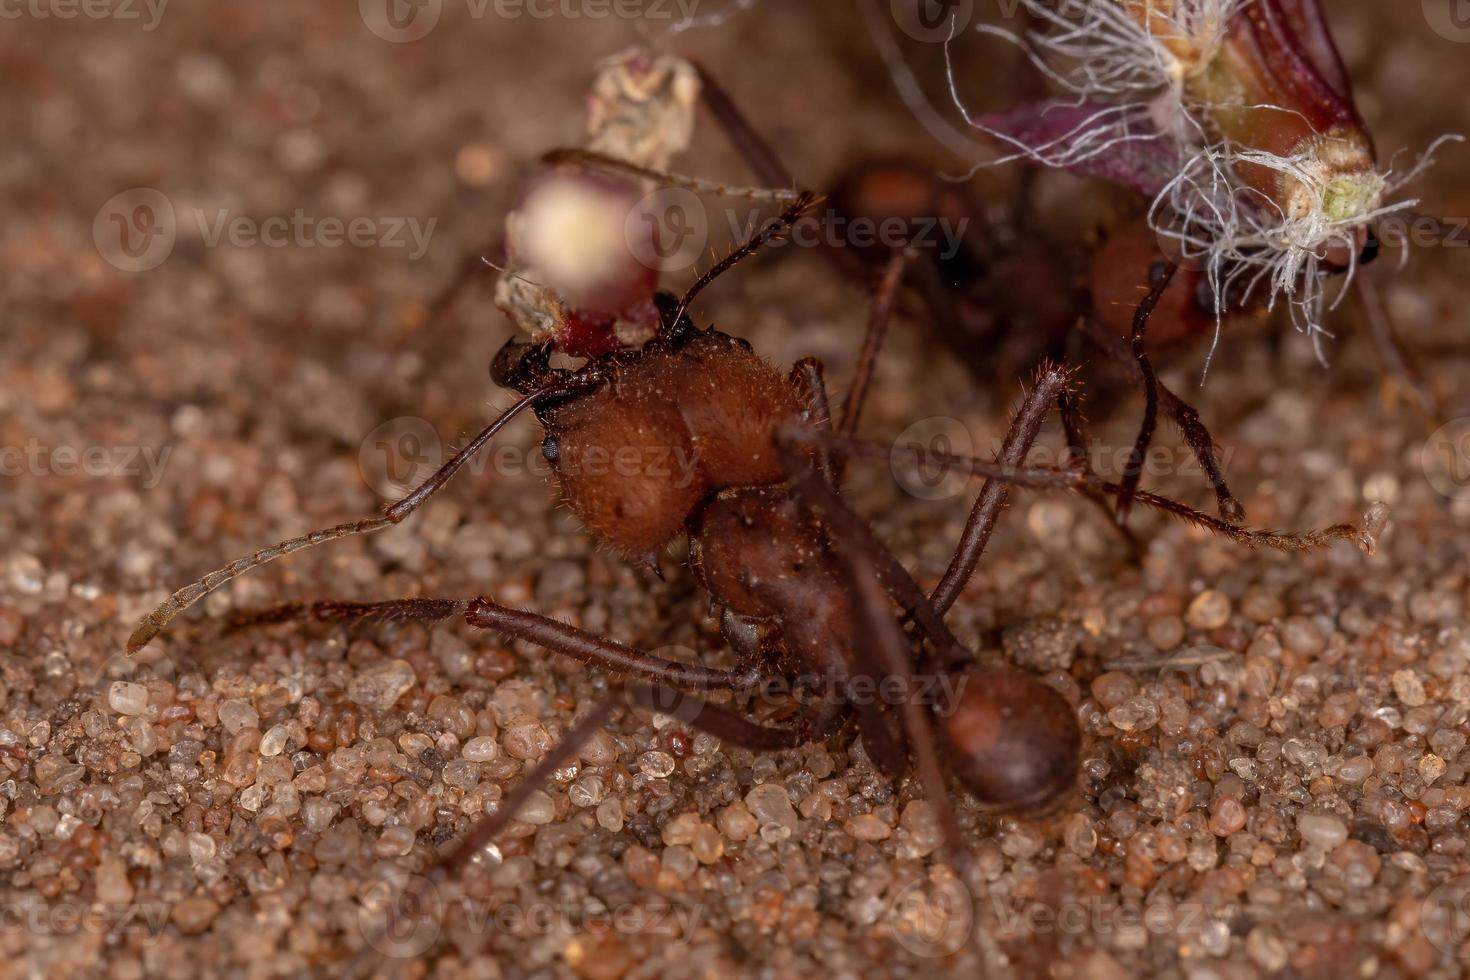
(1145,161)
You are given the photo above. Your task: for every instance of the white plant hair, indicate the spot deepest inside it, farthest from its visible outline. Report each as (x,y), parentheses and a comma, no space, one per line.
(1133,59)
(1245,240)
(1103,51)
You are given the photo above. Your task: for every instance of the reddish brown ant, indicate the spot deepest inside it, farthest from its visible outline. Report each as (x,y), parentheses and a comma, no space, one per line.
(803,584)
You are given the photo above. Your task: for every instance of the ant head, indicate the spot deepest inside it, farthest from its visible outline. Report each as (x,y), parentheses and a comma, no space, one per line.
(1013,741)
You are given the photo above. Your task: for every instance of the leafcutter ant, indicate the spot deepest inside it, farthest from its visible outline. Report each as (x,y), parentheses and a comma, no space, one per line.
(802,584)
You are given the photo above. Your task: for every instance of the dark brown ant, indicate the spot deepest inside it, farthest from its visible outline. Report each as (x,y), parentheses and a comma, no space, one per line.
(803,585)
(1009,295)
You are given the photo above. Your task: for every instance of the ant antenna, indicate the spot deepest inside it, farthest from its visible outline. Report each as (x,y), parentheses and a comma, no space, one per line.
(698,185)
(774,230)
(157,620)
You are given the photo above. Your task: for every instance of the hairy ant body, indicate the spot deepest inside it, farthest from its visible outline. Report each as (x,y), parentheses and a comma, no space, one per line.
(803,585)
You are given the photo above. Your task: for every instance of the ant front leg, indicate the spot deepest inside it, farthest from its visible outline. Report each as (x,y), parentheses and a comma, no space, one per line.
(1183,414)
(809,379)
(157,620)
(595,651)
(747,141)
(1150,422)
(1397,367)
(879,317)
(1025,427)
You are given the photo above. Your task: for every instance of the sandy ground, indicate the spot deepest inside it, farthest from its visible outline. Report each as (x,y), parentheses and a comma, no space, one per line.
(1275,746)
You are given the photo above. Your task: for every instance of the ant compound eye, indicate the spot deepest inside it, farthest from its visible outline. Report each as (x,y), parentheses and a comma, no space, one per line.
(743,344)
(551,449)
(1156,272)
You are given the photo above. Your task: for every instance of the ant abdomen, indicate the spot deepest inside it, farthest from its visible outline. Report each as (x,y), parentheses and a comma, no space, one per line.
(1013,741)
(638,455)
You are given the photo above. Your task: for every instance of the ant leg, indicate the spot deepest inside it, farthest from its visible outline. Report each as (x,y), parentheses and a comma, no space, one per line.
(1074,425)
(879,646)
(489,828)
(742,135)
(1150,422)
(1364,535)
(334,611)
(1396,363)
(157,620)
(883,743)
(1184,415)
(594,651)
(821,500)
(720,722)
(808,378)
(878,320)
(1050,383)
